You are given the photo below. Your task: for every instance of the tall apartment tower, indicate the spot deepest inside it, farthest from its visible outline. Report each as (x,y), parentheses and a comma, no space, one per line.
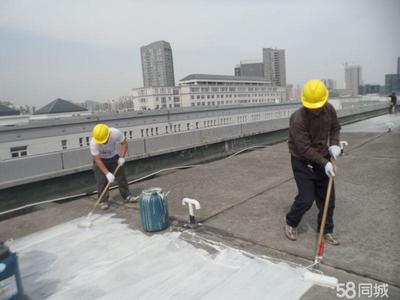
(353,79)
(157,64)
(274,66)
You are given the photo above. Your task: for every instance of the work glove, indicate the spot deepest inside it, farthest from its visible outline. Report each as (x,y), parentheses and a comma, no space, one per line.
(121,161)
(329,169)
(110,177)
(335,151)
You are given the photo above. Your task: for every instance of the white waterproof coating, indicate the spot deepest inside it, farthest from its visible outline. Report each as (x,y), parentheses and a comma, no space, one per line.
(111,148)
(110,261)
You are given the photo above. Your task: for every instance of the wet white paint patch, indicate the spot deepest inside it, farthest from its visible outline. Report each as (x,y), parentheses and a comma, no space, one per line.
(112,261)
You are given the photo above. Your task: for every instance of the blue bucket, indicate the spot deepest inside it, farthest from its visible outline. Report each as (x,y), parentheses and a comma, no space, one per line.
(10,280)
(153,210)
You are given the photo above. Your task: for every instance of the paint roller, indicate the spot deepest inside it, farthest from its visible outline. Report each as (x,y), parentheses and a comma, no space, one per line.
(319,278)
(87,223)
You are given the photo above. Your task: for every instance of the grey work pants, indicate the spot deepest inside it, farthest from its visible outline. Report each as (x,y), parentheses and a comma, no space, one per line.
(120,178)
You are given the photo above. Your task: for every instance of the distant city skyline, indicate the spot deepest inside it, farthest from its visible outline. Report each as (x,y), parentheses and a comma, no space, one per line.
(81,50)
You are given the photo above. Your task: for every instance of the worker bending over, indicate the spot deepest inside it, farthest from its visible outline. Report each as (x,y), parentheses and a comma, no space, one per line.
(104,147)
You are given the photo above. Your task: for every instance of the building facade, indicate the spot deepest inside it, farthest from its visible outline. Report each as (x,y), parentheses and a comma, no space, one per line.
(392,83)
(353,79)
(329,83)
(274,66)
(209,90)
(157,65)
(206,90)
(252,68)
(156,98)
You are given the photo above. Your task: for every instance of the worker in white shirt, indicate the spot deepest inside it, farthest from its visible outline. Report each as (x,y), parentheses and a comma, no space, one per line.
(104,147)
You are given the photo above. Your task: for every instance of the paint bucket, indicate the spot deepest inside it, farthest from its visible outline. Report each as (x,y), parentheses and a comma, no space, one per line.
(153,210)
(10,280)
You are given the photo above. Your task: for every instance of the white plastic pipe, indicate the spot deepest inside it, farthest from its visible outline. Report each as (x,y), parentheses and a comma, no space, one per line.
(192,203)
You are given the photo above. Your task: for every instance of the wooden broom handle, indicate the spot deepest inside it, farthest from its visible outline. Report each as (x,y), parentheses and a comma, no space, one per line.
(106,188)
(326,206)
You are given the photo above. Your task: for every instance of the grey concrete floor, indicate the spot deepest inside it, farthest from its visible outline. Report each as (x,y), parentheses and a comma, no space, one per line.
(244,199)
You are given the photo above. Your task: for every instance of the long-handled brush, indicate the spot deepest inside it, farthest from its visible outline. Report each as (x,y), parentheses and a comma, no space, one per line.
(88,222)
(319,278)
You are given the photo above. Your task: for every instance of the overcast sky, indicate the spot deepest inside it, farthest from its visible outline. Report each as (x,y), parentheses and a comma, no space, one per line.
(89,49)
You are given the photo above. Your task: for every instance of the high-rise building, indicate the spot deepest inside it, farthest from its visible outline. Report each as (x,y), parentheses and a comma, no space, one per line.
(398,65)
(353,79)
(274,66)
(157,64)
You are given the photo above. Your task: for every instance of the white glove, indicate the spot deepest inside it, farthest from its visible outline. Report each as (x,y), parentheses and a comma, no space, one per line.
(335,151)
(110,177)
(329,169)
(121,161)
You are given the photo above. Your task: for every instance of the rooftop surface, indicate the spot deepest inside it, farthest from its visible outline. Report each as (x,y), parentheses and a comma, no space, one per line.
(244,198)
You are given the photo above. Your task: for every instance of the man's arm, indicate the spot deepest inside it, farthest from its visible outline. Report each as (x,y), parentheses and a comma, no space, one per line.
(124,148)
(335,129)
(100,164)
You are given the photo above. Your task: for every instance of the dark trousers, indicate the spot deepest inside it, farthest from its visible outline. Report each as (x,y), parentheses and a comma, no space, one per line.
(312,184)
(120,177)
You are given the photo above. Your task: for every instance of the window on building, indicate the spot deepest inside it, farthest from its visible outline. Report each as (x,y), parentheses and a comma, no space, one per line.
(156,130)
(19,151)
(179,127)
(175,128)
(80,142)
(87,140)
(64,144)
(142,132)
(152,131)
(166,129)
(188,126)
(147,132)
(130,134)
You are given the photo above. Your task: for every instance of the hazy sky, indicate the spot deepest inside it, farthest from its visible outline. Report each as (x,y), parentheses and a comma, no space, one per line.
(89,49)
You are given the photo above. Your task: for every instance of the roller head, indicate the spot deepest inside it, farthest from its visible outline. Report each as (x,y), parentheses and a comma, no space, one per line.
(320,279)
(87,223)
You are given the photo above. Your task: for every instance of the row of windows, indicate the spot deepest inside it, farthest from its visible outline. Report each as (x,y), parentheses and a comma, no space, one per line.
(204,103)
(230,89)
(21,151)
(232,96)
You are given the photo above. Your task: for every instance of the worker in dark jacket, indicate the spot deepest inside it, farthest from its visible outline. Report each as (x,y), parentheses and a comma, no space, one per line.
(393,102)
(313,140)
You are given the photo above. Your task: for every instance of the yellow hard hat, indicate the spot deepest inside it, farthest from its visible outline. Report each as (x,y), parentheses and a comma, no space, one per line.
(315,94)
(101,132)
